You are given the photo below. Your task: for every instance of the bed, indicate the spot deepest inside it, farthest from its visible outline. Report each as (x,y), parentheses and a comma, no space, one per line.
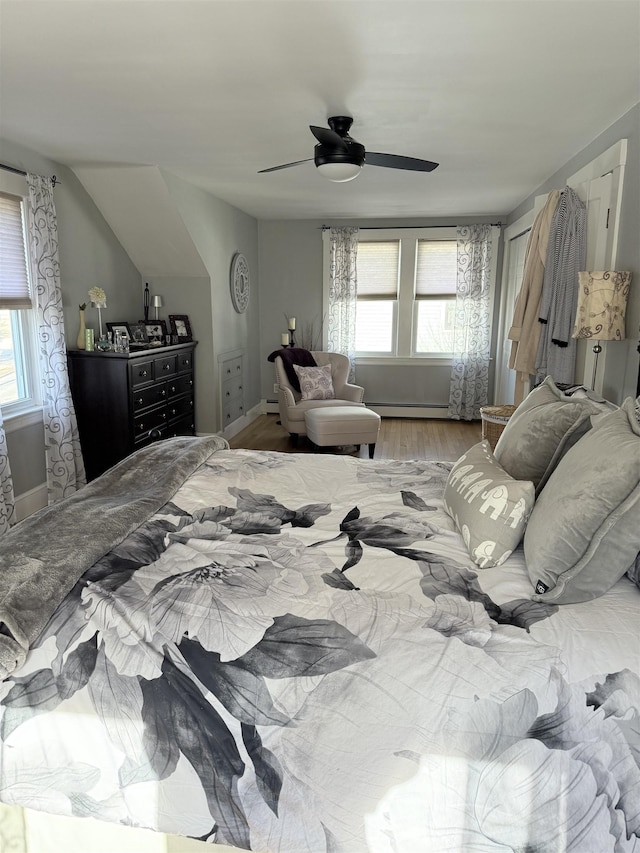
(295,653)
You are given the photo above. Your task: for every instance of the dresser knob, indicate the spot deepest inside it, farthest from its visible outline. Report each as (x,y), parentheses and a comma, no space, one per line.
(140,400)
(163,393)
(187,363)
(173,389)
(166,367)
(142,373)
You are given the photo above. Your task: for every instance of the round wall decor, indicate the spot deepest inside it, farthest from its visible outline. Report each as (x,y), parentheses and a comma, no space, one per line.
(239,282)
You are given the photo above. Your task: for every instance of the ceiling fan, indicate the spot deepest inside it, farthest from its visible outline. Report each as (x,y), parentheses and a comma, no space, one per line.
(340,158)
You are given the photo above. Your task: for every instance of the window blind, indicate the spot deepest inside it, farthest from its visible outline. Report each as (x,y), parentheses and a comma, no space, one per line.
(436,268)
(14,281)
(378,268)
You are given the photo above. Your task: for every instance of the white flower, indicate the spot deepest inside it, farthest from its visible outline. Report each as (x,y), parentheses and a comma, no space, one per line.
(98,297)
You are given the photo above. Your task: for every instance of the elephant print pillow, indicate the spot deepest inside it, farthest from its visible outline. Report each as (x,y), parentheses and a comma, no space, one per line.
(489,507)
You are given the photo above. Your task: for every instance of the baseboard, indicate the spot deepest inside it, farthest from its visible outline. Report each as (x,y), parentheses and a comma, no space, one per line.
(385,410)
(28,502)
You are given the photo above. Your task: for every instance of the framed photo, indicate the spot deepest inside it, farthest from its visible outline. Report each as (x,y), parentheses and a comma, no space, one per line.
(139,333)
(181,327)
(123,328)
(156,331)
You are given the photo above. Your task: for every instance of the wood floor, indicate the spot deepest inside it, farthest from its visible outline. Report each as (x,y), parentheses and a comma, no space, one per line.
(400,438)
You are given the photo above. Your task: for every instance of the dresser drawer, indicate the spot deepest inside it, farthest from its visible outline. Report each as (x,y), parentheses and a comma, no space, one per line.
(152,395)
(165,366)
(141,373)
(180,385)
(179,407)
(153,419)
(231,389)
(185,361)
(232,367)
(183,426)
(232,411)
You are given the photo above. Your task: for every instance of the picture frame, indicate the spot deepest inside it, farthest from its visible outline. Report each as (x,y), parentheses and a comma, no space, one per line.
(121,327)
(139,334)
(156,331)
(180,327)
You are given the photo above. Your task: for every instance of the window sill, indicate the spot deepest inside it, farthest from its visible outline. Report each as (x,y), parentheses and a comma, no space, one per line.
(20,419)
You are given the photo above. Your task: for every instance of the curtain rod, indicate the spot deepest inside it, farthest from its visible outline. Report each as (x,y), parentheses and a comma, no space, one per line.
(15,171)
(399,227)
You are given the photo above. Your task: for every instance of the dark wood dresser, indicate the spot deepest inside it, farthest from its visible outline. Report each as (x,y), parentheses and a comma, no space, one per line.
(126,400)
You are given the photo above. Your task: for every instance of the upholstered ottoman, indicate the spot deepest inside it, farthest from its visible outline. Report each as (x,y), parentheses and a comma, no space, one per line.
(335,425)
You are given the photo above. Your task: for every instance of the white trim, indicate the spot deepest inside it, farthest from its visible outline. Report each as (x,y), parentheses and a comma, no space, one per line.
(605,162)
(29,502)
(20,420)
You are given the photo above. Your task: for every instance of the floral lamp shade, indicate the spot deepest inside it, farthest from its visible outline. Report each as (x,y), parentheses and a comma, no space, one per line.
(602,304)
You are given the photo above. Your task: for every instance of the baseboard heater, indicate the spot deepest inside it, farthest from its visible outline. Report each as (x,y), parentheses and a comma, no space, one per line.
(394,410)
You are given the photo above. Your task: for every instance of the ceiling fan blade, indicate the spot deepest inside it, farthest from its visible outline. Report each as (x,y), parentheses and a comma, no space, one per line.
(394,161)
(286,165)
(328,137)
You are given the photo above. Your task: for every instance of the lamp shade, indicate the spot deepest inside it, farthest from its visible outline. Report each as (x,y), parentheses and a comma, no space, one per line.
(157,302)
(602,304)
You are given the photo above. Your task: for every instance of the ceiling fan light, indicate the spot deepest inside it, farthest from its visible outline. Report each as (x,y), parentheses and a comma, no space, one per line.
(339,172)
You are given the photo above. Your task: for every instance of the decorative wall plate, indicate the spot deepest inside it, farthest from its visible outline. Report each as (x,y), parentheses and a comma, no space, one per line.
(239,282)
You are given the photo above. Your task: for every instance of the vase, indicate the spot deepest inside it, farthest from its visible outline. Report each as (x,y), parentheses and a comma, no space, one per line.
(81,338)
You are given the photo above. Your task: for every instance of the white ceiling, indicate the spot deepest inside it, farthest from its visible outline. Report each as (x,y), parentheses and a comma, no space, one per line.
(500,93)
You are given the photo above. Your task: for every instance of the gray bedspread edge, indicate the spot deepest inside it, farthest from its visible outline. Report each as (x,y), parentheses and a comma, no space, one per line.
(42,557)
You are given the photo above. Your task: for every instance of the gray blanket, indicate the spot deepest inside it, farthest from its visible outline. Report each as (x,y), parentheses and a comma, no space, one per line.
(37,567)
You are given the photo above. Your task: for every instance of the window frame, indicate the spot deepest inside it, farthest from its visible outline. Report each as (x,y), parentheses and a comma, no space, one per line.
(405,315)
(17,413)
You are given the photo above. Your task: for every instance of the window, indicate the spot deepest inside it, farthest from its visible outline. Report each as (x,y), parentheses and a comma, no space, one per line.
(435,295)
(378,266)
(406,293)
(17,386)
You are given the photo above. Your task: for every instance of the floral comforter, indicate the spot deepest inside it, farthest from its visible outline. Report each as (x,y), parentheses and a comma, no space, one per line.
(295,655)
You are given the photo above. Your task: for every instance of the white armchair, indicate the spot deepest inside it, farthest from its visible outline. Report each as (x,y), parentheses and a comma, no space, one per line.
(292,408)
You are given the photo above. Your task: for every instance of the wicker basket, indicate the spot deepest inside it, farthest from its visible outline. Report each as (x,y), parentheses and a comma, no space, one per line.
(494,420)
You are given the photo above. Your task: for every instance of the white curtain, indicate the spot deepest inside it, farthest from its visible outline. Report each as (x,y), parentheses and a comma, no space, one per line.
(343,292)
(7,502)
(469,388)
(65,468)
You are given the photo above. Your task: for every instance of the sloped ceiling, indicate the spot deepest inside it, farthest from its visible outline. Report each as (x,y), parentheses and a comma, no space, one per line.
(137,205)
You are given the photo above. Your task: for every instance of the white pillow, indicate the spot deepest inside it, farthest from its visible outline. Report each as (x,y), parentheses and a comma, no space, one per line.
(315,382)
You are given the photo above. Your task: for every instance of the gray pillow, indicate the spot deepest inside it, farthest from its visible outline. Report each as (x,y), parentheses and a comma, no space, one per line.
(541,430)
(489,507)
(584,531)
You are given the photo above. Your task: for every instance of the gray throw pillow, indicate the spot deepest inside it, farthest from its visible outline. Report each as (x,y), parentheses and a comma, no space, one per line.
(541,430)
(584,531)
(489,507)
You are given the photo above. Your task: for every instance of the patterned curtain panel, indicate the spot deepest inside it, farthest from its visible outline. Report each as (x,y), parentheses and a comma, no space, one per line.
(341,319)
(65,468)
(469,389)
(7,502)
